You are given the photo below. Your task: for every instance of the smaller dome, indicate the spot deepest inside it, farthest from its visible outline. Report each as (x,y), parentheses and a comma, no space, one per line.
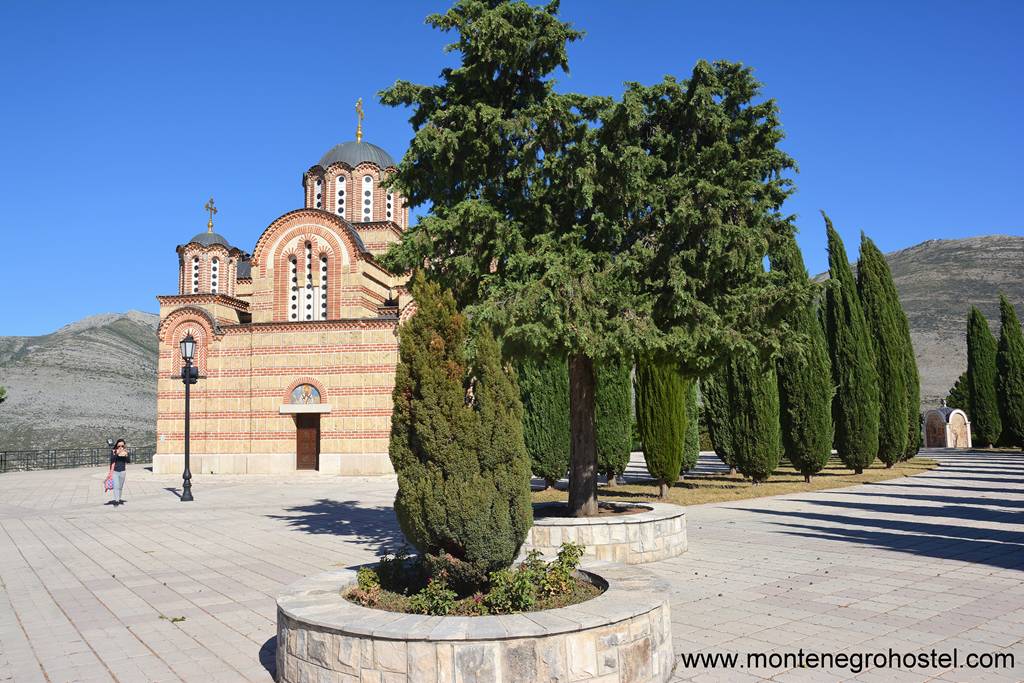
(355,153)
(208,239)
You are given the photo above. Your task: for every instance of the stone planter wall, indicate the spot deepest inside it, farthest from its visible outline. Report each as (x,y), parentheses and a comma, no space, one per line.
(622,636)
(657,534)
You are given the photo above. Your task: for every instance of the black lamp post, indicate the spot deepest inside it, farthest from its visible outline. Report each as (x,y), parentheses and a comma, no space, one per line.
(189,375)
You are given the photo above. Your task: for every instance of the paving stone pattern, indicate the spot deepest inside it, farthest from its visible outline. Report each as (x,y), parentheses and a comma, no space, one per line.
(159,590)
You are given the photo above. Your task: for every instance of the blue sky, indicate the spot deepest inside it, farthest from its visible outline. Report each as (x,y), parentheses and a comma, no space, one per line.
(119,120)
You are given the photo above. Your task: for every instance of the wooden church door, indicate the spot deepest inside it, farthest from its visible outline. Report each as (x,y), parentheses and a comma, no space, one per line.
(307,441)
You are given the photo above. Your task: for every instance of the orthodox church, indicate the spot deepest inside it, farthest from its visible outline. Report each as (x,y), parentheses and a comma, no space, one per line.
(296,341)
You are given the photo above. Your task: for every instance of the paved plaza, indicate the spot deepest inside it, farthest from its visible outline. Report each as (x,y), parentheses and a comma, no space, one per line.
(159,590)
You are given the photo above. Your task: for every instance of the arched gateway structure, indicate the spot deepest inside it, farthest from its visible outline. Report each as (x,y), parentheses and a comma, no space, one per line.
(296,342)
(946,427)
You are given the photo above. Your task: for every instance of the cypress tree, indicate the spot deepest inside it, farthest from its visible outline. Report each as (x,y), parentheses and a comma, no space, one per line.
(855,406)
(959,394)
(883,313)
(1010,364)
(544,387)
(613,417)
(661,392)
(804,376)
(716,412)
(753,413)
(982,379)
(691,446)
(457,440)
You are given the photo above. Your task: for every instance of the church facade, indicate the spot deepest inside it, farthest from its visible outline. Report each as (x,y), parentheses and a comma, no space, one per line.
(296,341)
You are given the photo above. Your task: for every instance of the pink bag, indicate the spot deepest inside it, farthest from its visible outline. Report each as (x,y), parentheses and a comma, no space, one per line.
(108,484)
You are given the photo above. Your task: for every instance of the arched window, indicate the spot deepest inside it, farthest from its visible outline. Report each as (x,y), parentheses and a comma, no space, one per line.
(367,198)
(214,267)
(340,188)
(293,312)
(195,275)
(319,193)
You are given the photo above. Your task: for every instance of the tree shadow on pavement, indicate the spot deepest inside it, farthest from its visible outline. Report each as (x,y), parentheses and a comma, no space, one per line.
(1003,548)
(373,526)
(268,656)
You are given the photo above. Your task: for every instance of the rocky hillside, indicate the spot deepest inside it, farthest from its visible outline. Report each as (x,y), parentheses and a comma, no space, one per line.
(938,282)
(75,387)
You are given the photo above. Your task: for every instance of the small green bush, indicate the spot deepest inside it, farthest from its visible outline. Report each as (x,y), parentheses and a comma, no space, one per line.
(437,598)
(424,585)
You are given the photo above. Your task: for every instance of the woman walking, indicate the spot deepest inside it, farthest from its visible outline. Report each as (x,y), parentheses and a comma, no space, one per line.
(118,459)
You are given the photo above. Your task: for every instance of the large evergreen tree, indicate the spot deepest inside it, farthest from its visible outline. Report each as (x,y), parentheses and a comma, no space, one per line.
(986,425)
(884,315)
(613,416)
(691,445)
(753,414)
(855,406)
(661,416)
(457,440)
(1010,365)
(544,387)
(804,376)
(587,228)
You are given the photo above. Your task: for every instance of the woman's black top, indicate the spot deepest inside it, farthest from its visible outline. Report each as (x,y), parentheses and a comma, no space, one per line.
(119,461)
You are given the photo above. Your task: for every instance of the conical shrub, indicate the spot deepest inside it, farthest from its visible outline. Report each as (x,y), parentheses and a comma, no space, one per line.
(753,400)
(884,315)
(855,405)
(661,393)
(716,412)
(805,378)
(544,387)
(1010,365)
(691,447)
(457,440)
(986,425)
(613,416)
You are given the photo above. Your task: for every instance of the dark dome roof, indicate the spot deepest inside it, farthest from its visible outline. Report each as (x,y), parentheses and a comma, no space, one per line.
(353,153)
(208,239)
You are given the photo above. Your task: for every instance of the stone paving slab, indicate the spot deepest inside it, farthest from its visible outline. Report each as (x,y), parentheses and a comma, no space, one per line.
(159,590)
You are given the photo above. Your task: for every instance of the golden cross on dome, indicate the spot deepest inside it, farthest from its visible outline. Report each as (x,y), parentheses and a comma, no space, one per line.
(359,120)
(213,210)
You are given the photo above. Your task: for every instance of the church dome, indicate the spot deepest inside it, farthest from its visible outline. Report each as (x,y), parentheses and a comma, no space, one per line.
(354,153)
(208,239)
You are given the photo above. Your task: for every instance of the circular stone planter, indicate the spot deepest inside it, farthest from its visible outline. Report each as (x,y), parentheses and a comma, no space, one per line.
(657,533)
(621,635)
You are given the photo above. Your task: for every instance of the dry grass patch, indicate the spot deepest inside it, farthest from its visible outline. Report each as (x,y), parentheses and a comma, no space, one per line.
(715,488)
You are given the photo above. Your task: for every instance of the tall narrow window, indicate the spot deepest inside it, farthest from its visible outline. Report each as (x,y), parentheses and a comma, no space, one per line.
(390,203)
(340,187)
(195,275)
(367,198)
(319,193)
(323,286)
(294,274)
(308,300)
(214,267)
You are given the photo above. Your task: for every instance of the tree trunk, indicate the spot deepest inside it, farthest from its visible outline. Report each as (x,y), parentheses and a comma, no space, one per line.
(858,470)
(732,471)
(807,479)
(583,444)
(662,489)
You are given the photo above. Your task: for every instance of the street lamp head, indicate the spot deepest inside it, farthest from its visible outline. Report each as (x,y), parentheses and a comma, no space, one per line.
(188,348)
